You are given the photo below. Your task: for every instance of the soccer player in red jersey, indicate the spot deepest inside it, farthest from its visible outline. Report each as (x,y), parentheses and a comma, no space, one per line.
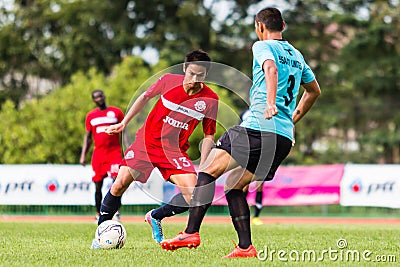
(107,153)
(184,101)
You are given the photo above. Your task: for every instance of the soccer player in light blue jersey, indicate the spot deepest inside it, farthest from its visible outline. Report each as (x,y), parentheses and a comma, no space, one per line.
(262,141)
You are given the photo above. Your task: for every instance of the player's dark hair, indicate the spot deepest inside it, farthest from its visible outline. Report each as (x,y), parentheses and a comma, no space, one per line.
(272,19)
(201,58)
(97,91)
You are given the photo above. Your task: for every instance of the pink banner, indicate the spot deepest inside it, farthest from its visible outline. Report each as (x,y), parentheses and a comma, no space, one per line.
(295,185)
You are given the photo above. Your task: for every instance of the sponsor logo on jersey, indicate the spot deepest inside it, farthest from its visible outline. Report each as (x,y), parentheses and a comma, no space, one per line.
(289,51)
(184,110)
(130,155)
(175,123)
(103,120)
(200,105)
(290,62)
(101,129)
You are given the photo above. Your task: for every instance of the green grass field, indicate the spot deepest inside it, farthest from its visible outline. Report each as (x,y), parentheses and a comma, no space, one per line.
(67,244)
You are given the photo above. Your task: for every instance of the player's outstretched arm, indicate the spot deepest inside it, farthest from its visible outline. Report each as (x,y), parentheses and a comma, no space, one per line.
(137,106)
(310,95)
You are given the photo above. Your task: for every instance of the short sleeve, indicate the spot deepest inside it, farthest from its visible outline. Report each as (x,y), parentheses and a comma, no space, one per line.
(156,88)
(307,74)
(120,115)
(262,52)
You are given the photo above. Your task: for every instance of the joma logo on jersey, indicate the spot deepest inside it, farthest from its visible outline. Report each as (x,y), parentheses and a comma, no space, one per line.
(175,123)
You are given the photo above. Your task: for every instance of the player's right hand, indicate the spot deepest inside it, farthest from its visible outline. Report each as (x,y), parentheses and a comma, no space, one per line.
(82,161)
(114,129)
(270,111)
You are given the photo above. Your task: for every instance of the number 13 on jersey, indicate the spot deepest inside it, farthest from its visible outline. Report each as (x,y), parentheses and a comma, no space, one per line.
(181,162)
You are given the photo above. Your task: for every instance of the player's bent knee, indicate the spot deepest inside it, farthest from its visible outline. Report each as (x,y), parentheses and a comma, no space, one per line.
(217,163)
(117,189)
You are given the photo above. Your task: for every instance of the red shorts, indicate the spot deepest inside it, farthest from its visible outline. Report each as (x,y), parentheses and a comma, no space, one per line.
(145,160)
(105,164)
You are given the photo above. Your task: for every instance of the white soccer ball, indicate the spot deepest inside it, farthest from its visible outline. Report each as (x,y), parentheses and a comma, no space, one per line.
(111,234)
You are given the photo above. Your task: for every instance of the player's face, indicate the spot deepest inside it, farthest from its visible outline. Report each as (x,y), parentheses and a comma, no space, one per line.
(194,75)
(99,99)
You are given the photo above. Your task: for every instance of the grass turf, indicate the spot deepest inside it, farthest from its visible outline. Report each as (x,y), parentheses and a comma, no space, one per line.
(67,244)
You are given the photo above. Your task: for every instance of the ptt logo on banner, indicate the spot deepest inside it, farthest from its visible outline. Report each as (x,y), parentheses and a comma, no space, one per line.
(356,186)
(78,186)
(386,187)
(18,187)
(52,186)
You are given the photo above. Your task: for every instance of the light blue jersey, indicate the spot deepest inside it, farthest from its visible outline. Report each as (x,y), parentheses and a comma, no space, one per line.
(292,72)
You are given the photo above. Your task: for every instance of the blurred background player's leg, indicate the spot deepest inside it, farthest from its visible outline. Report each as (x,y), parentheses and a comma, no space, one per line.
(112,201)
(258,205)
(98,197)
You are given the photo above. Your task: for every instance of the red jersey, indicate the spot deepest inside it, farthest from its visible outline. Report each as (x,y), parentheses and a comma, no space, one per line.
(176,114)
(96,122)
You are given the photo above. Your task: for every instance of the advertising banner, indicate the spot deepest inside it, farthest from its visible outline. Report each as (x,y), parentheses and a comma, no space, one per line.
(371,185)
(296,185)
(349,185)
(42,184)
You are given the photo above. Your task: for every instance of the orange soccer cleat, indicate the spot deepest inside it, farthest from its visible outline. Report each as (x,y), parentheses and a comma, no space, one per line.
(238,252)
(182,240)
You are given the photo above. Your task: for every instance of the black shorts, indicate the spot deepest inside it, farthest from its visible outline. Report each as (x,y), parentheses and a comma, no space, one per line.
(261,153)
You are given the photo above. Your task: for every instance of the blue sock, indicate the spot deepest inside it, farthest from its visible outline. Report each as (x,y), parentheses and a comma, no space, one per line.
(109,207)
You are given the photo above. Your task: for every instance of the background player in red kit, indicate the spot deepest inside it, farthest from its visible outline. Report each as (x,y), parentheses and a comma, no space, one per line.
(107,153)
(162,141)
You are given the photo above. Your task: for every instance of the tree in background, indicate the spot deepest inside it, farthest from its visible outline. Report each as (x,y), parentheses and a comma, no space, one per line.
(370,71)
(52,40)
(50,129)
(353,49)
